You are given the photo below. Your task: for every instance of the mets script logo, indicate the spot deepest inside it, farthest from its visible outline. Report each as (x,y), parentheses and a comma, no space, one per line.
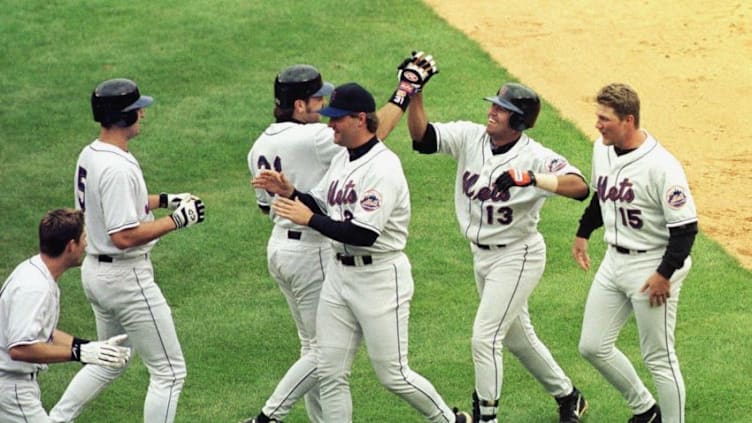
(621,191)
(676,197)
(371,200)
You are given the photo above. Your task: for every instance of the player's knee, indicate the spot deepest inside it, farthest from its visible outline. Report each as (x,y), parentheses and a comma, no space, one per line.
(392,376)
(484,348)
(591,350)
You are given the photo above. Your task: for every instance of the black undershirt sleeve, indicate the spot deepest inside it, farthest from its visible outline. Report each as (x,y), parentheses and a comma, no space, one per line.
(680,241)
(429,144)
(264,209)
(591,219)
(345,232)
(308,200)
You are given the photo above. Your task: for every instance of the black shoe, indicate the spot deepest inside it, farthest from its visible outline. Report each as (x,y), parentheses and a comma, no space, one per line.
(651,416)
(261,418)
(572,407)
(461,416)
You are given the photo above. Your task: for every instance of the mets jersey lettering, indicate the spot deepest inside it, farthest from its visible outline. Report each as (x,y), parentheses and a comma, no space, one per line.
(485,215)
(371,192)
(642,194)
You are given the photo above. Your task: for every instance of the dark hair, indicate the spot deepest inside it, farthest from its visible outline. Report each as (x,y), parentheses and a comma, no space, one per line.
(372,122)
(622,98)
(57,228)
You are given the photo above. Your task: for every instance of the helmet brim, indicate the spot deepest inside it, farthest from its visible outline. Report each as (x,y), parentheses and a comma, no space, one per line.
(504,103)
(143,101)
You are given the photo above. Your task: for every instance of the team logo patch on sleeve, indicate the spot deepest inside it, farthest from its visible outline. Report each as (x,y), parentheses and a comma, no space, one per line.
(371,200)
(555,164)
(676,197)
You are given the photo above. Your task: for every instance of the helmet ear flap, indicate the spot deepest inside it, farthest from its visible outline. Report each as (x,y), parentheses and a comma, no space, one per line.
(517,122)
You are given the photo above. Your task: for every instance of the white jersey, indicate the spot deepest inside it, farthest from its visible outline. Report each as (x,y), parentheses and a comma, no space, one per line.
(109,187)
(642,194)
(29,312)
(485,215)
(302,151)
(370,191)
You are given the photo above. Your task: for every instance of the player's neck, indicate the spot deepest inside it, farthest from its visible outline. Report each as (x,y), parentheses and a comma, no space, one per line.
(634,140)
(114,137)
(55,265)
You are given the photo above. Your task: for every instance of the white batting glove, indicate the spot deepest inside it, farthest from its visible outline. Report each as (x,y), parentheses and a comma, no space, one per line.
(102,353)
(188,213)
(172,201)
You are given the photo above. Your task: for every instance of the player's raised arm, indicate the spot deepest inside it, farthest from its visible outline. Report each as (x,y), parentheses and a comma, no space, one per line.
(412,75)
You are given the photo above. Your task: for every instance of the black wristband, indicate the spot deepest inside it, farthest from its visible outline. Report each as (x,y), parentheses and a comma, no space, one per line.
(76,348)
(162,200)
(400,99)
(533,181)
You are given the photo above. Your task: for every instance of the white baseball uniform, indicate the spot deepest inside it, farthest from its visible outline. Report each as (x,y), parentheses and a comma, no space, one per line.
(109,186)
(296,255)
(367,291)
(642,195)
(509,254)
(29,312)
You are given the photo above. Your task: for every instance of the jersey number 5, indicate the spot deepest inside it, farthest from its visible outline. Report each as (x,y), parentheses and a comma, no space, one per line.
(81,188)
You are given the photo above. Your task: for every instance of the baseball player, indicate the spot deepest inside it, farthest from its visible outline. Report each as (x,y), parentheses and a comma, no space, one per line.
(29,314)
(642,199)
(117,274)
(298,144)
(363,205)
(503,178)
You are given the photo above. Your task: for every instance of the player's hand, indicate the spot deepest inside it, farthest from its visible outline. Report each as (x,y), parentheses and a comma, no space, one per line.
(658,289)
(514,178)
(580,254)
(103,353)
(274,182)
(412,75)
(188,213)
(172,201)
(293,210)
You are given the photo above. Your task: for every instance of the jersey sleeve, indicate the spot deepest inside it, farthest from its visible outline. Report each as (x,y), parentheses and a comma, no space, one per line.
(554,163)
(380,195)
(675,196)
(26,318)
(119,192)
(451,136)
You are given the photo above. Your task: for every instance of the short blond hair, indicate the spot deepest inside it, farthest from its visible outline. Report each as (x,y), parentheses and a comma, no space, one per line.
(622,98)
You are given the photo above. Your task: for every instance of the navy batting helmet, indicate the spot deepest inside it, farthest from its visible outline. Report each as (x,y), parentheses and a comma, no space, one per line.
(298,82)
(116,102)
(521,101)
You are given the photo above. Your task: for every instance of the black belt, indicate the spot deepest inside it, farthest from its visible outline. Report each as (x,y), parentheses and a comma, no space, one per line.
(488,247)
(350,260)
(623,250)
(104,258)
(294,234)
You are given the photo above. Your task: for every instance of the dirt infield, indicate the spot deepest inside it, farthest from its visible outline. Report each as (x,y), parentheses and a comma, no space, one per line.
(691,63)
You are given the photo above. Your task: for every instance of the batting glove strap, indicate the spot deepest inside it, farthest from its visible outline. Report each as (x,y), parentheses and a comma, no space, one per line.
(76,348)
(162,200)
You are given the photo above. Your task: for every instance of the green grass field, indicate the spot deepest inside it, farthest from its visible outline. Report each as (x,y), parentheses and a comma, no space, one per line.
(210,65)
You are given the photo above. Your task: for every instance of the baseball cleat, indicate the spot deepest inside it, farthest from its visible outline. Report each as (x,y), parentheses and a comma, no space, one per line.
(572,407)
(651,416)
(461,416)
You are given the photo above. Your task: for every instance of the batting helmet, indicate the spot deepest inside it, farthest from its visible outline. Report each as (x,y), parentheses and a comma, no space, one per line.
(116,102)
(521,101)
(298,82)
